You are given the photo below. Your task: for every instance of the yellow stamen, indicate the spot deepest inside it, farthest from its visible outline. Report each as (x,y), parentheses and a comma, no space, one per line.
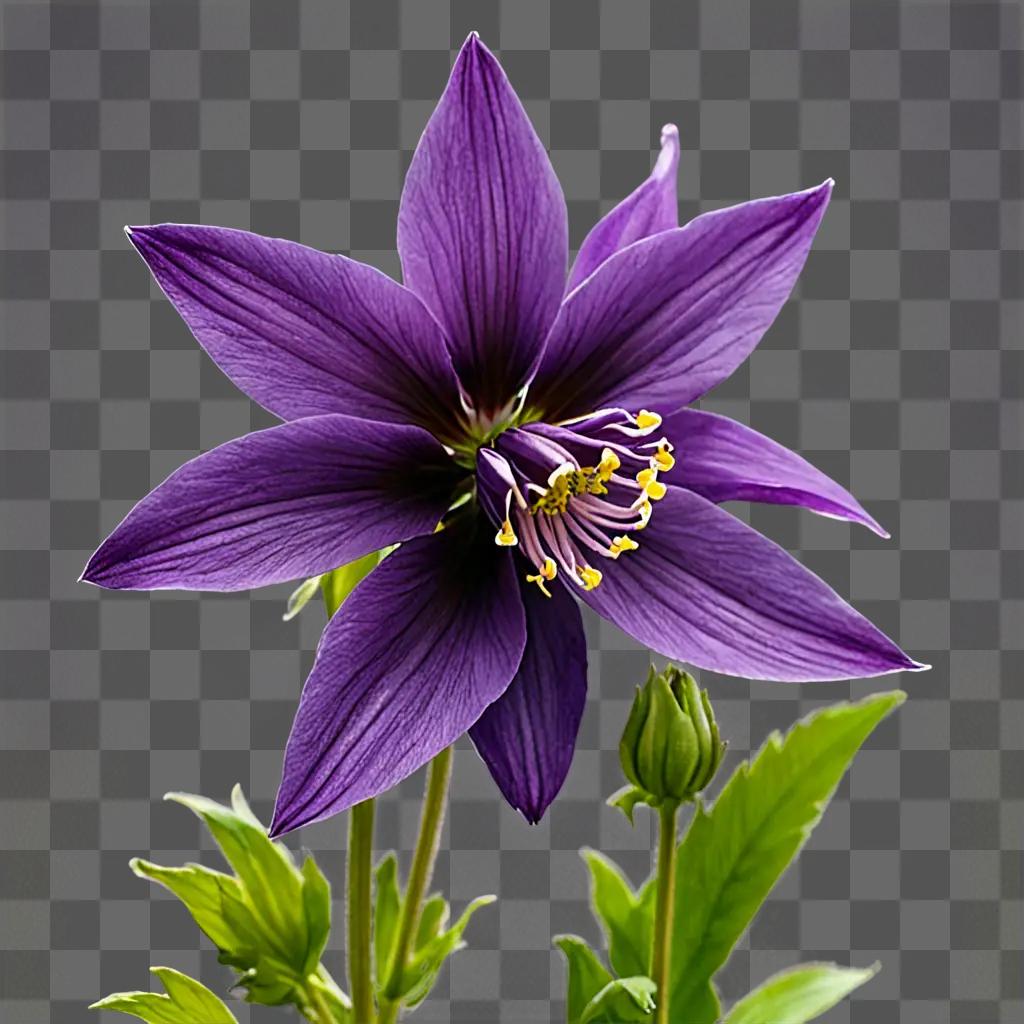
(653,487)
(545,573)
(620,544)
(656,490)
(648,420)
(609,463)
(645,514)
(663,459)
(590,577)
(506,537)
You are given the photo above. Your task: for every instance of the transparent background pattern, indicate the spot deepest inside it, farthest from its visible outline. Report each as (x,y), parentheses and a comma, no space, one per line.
(897,368)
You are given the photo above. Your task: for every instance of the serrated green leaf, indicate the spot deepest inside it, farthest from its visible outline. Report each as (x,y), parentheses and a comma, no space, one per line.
(732,855)
(620,1001)
(339,583)
(204,893)
(626,923)
(186,1002)
(424,965)
(799,994)
(301,596)
(316,906)
(387,903)
(588,976)
(271,885)
(433,918)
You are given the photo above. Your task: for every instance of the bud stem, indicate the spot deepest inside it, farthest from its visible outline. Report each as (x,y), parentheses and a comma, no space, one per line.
(661,959)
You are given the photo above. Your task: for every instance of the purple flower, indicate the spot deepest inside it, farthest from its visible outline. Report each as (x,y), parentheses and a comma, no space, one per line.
(542,422)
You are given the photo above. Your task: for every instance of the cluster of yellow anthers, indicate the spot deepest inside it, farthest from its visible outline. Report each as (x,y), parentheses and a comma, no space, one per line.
(568,481)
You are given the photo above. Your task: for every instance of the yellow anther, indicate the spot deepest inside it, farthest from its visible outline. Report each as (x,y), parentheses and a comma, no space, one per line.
(620,544)
(644,509)
(590,577)
(653,487)
(648,420)
(663,459)
(506,537)
(656,490)
(545,573)
(609,463)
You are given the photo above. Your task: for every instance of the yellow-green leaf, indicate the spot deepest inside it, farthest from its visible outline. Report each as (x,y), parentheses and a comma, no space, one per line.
(733,854)
(799,994)
(186,1002)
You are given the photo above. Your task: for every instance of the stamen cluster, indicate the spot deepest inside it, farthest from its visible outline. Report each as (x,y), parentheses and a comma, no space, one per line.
(566,509)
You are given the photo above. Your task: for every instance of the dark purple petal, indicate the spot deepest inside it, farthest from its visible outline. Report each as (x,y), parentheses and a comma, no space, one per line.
(666,319)
(707,589)
(431,637)
(304,332)
(651,208)
(279,504)
(726,461)
(527,736)
(482,229)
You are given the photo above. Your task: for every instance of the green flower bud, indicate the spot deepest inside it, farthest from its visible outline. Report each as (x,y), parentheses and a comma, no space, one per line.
(670,748)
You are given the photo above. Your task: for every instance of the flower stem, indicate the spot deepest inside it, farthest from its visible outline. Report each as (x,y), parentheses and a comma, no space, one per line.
(661,959)
(360,867)
(318,1009)
(427,842)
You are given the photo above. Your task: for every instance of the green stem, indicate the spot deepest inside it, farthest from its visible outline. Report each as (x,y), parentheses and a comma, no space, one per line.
(360,867)
(661,959)
(318,1010)
(427,842)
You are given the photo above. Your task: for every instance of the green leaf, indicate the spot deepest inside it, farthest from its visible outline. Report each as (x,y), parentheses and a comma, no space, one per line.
(625,999)
(339,583)
(433,918)
(799,994)
(422,970)
(204,893)
(627,800)
(316,906)
(387,903)
(271,886)
(587,975)
(301,596)
(186,1002)
(732,855)
(271,921)
(627,924)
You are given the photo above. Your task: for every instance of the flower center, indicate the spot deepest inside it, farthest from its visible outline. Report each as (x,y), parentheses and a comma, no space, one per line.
(571,495)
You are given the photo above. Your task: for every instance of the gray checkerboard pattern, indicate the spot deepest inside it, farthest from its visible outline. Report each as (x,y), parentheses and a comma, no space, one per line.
(897,368)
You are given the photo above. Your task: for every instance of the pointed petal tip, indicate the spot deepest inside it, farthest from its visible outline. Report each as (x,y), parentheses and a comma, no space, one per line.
(668,132)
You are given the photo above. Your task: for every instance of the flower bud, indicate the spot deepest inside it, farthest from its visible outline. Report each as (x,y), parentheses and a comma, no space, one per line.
(670,749)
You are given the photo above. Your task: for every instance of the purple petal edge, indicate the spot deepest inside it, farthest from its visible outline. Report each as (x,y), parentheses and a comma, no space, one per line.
(705,588)
(483,229)
(650,208)
(528,735)
(279,504)
(422,646)
(723,460)
(667,318)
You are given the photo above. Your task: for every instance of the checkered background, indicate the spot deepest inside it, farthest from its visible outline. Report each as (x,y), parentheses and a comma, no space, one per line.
(897,368)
